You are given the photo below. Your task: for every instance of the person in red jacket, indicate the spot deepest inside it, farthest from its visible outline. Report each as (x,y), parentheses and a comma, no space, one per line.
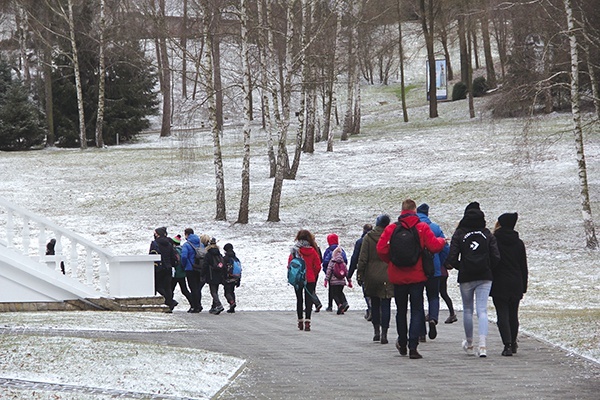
(307,248)
(409,281)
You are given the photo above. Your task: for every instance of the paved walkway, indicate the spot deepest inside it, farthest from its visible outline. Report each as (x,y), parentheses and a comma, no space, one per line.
(338,360)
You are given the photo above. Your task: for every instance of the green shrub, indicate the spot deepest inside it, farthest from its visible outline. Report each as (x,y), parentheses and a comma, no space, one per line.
(459,91)
(479,86)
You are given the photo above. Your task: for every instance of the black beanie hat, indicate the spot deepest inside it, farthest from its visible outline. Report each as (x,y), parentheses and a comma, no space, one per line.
(423,209)
(383,220)
(472,205)
(228,247)
(508,220)
(162,231)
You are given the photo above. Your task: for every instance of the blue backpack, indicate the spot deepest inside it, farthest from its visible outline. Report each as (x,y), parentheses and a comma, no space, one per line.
(297,272)
(235,268)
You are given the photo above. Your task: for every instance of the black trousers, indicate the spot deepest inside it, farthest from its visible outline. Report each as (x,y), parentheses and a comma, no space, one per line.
(196,283)
(183,286)
(507,313)
(337,293)
(162,284)
(229,289)
(305,299)
(444,294)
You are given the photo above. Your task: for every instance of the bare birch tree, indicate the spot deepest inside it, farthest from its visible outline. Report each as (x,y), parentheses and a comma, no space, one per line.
(221,214)
(401,56)
(101,76)
(588,222)
(247,90)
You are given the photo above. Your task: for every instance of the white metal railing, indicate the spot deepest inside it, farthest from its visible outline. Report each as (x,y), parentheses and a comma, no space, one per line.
(81,259)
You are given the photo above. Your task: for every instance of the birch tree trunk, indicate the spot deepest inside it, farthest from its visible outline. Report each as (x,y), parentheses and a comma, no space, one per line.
(351,63)
(77,72)
(221,214)
(101,77)
(245,196)
(401,53)
(265,67)
(332,82)
(184,54)
(588,222)
(283,118)
(165,73)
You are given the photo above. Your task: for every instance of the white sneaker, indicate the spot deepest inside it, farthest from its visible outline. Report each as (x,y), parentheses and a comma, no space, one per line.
(467,348)
(482,352)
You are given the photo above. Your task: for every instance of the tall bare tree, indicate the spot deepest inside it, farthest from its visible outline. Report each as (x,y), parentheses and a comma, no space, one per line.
(401,56)
(247,90)
(584,194)
(428,25)
(101,76)
(221,212)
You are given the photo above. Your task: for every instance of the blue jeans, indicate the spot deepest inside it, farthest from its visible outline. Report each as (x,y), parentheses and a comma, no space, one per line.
(480,290)
(402,293)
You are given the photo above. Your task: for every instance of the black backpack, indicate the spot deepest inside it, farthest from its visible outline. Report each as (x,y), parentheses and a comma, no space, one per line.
(405,246)
(474,252)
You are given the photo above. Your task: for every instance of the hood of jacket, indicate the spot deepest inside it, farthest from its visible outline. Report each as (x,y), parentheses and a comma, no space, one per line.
(194,240)
(507,236)
(408,218)
(473,218)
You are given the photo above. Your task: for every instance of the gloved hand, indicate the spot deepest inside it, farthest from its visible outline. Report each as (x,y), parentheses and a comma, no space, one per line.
(350,284)
(237,284)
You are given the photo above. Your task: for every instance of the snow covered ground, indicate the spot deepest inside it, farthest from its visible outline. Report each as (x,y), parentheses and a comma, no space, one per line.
(117,196)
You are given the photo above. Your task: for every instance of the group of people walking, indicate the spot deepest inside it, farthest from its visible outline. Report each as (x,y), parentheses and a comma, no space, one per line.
(193,264)
(402,260)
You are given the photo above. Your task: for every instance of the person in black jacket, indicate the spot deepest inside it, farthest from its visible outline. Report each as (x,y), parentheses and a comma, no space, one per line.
(354,263)
(510,280)
(163,269)
(474,253)
(214,273)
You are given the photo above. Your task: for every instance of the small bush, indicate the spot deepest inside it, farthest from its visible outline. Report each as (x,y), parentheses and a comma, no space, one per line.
(459,91)
(479,86)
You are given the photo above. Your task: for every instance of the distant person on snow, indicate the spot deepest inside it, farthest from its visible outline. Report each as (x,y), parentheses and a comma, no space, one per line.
(476,248)
(179,275)
(432,286)
(306,248)
(336,277)
(194,275)
(398,243)
(233,278)
(510,280)
(373,277)
(163,269)
(354,264)
(214,271)
(333,242)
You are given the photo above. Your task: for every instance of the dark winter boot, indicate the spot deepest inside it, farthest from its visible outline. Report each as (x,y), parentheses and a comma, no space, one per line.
(507,350)
(307,325)
(384,339)
(301,324)
(377,334)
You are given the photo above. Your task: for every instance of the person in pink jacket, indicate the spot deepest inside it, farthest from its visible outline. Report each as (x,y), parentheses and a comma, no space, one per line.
(409,281)
(306,247)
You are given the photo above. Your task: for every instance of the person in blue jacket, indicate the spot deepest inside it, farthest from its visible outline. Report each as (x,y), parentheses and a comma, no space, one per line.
(333,241)
(193,275)
(432,287)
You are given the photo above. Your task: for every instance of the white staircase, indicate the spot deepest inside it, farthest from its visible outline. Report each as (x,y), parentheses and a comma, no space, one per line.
(27,275)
